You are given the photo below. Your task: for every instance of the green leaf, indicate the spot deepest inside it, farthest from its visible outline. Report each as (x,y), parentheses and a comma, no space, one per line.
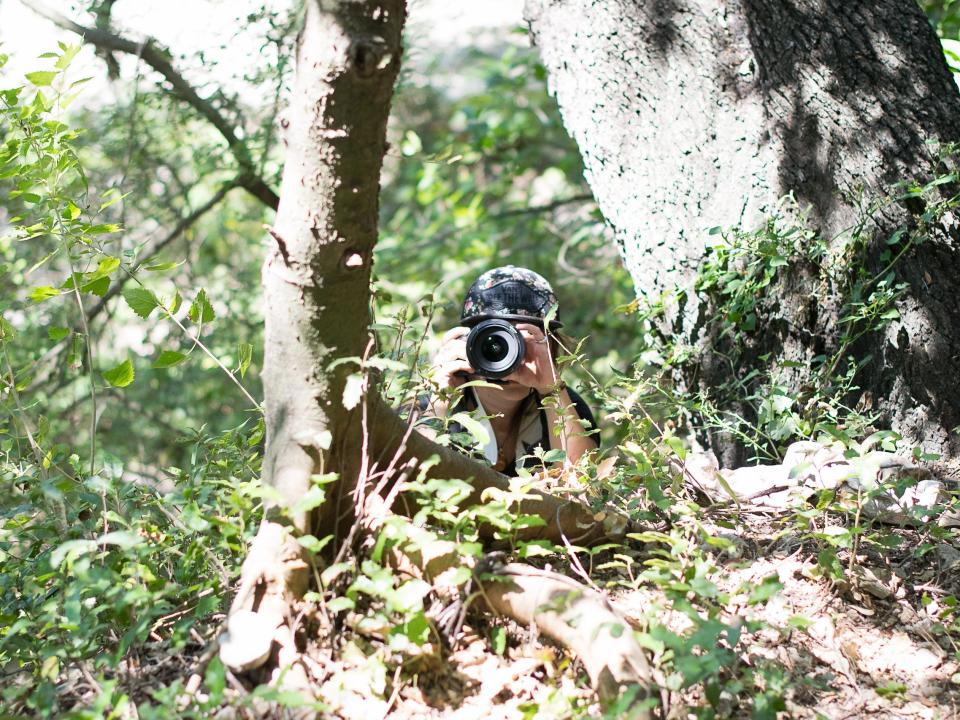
(121,538)
(201,311)
(104,229)
(175,303)
(333,572)
(121,375)
(97,287)
(50,668)
(169,358)
(245,355)
(409,596)
(312,498)
(41,78)
(340,603)
(69,53)
(554,455)
(416,629)
(160,267)
(472,426)
(58,333)
(107,266)
(767,588)
(353,391)
(799,622)
(141,301)
(312,544)
(72,549)
(498,639)
(215,680)
(44,292)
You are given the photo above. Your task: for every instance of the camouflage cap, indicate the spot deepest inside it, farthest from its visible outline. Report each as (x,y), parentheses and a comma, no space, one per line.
(509,293)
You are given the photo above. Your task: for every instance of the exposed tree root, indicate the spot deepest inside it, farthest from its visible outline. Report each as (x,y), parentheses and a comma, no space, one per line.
(273,579)
(562,518)
(564,610)
(579,619)
(275,576)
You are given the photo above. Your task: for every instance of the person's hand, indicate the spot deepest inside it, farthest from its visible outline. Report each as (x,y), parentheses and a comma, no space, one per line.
(450,368)
(537,370)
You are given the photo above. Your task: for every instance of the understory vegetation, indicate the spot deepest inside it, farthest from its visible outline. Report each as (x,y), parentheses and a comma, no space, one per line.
(131,434)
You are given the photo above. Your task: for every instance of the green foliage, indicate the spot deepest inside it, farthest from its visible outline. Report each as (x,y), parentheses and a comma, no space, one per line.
(944,16)
(100,555)
(94,568)
(749,280)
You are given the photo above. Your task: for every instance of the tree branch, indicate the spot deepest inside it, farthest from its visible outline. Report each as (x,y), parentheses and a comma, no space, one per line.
(545,208)
(158,58)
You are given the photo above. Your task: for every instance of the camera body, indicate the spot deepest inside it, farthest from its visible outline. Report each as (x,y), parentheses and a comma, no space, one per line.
(495,348)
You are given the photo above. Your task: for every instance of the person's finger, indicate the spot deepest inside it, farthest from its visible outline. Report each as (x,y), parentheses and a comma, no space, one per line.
(460,366)
(454,346)
(453,358)
(453,366)
(455,332)
(531,331)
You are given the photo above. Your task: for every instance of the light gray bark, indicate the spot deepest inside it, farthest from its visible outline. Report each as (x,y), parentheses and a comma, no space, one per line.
(693,114)
(582,620)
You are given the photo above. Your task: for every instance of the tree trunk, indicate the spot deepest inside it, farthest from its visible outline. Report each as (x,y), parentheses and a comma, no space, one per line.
(692,114)
(316,276)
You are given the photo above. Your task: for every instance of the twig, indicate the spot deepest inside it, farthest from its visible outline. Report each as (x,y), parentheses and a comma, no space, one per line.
(537,209)
(209,353)
(393,695)
(577,565)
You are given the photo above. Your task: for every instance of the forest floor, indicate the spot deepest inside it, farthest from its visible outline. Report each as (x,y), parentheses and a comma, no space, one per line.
(877,650)
(874,647)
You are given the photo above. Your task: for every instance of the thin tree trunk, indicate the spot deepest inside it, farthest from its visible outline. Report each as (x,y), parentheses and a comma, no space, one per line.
(692,114)
(316,276)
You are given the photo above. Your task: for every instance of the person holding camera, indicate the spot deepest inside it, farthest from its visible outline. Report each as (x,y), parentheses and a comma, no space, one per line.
(506,338)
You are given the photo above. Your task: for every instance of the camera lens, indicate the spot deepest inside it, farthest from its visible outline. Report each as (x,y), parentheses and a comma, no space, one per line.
(495,348)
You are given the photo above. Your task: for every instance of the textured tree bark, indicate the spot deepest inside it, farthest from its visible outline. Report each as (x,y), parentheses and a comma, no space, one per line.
(316,277)
(692,114)
(316,283)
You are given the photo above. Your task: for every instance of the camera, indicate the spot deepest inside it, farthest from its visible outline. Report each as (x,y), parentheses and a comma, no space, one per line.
(495,348)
